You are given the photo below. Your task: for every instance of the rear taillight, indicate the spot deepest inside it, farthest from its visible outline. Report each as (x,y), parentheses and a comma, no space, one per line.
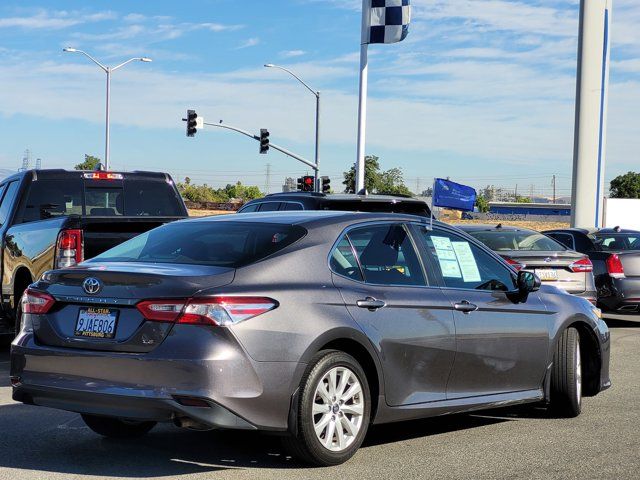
(36,302)
(218,311)
(517,265)
(614,266)
(161,310)
(583,265)
(69,248)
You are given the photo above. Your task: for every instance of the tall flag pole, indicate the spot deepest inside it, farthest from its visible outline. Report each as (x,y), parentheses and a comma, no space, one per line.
(383,21)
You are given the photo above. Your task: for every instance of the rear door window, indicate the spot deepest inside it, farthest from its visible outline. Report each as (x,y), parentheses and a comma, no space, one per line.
(344,262)
(53,198)
(387,255)
(292,206)
(269,207)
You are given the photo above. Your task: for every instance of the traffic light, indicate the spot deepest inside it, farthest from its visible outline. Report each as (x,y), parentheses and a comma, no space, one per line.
(306,183)
(264,140)
(192,123)
(326,184)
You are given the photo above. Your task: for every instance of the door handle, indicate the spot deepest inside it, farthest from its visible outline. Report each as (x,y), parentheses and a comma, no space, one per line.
(465,307)
(371,304)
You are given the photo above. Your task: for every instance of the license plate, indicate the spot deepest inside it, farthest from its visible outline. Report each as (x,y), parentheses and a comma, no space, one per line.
(96,322)
(547,275)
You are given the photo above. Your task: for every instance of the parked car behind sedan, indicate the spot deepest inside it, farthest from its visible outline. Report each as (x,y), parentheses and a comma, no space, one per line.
(553,262)
(615,254)
(310,324)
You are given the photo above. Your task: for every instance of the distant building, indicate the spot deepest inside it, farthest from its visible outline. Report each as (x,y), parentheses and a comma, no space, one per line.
(290,185)
(510,208)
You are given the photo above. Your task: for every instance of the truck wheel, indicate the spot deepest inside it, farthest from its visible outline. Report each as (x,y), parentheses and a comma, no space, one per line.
(333,412)
(566,375)
(117,428)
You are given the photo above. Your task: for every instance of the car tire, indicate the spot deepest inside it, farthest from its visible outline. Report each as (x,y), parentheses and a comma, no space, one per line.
(335,402)
(566,375)
(117,428)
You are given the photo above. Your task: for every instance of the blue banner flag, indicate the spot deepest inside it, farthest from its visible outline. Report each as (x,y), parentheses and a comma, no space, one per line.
(385,21)
(449,194)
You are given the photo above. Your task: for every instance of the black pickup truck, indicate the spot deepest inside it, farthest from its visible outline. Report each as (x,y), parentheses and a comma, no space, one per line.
(58,218)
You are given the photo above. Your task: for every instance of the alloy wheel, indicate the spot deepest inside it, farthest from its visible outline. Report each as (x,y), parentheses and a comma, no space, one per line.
(338,409)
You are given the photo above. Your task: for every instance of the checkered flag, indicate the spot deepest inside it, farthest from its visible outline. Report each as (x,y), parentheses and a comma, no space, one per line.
(386,22)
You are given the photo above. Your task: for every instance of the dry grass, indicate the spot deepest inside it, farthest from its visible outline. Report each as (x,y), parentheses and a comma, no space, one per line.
(207,213)
(539,226)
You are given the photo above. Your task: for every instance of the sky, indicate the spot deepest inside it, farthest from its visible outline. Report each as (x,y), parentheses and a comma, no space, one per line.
(481,91)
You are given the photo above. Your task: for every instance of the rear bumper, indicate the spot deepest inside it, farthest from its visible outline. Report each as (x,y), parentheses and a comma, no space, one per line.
(623,297)
(239,392)
(133,406)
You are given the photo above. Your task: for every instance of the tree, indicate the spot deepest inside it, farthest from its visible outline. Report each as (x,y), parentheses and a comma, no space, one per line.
(371,173)
(389,182)
(626,186)
(89,163)
(482,203)
(205,193)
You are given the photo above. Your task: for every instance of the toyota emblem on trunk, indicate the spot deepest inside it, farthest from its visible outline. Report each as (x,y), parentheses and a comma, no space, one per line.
(92,285)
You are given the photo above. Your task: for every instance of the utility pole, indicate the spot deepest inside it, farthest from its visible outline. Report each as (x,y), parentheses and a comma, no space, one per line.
(515,199)
(553,184)
(418,186)
(267,181)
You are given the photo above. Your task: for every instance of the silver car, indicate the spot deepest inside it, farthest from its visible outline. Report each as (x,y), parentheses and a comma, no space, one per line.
(526,249)
(313,325)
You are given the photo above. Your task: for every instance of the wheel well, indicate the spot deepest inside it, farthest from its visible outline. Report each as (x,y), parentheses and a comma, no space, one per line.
(362,355)
(20,283)
(591,359)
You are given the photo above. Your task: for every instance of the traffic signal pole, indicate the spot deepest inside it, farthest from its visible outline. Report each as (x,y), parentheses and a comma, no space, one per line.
(271,145)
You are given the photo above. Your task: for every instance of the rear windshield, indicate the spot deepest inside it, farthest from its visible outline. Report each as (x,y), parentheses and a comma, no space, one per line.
(220,244)
(132,197)
(525,241)
(612,242)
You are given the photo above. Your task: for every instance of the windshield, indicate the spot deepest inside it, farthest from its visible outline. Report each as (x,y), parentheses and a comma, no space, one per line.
(525,241)
(219,244)
(614,242)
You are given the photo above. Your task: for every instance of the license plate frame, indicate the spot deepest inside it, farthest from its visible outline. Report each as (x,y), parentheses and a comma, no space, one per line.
(98,323)
(547,274)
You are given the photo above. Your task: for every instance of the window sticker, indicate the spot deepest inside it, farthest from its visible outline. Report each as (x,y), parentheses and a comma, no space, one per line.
(446,257)
(467,262)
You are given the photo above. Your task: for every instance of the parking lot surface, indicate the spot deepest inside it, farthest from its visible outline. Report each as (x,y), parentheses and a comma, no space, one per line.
(37,443)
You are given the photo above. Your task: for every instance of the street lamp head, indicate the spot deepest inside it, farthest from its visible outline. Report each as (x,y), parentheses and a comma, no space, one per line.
(269,65)
(70,50)
(146,59)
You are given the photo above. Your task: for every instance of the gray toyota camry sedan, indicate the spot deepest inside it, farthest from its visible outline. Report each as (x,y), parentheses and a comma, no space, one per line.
(313,325)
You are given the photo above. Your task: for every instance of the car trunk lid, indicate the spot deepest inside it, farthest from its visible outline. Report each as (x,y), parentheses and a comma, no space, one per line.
(120,287)
(553,268)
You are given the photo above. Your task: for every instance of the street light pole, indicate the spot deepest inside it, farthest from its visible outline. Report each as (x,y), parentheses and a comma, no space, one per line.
(317,95)
(108,71)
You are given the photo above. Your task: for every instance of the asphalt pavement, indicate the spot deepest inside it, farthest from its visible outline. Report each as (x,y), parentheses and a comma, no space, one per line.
(602,443)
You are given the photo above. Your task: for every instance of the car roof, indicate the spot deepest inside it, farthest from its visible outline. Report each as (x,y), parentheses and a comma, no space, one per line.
(338,197)
(593,231)
(312,217)
(492,228)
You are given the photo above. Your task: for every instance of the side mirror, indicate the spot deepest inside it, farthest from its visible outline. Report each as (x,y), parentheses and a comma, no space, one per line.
(528,282)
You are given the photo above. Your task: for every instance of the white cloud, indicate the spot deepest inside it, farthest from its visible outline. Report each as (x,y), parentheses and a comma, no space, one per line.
(249,42)
(292,53)
(54,20)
